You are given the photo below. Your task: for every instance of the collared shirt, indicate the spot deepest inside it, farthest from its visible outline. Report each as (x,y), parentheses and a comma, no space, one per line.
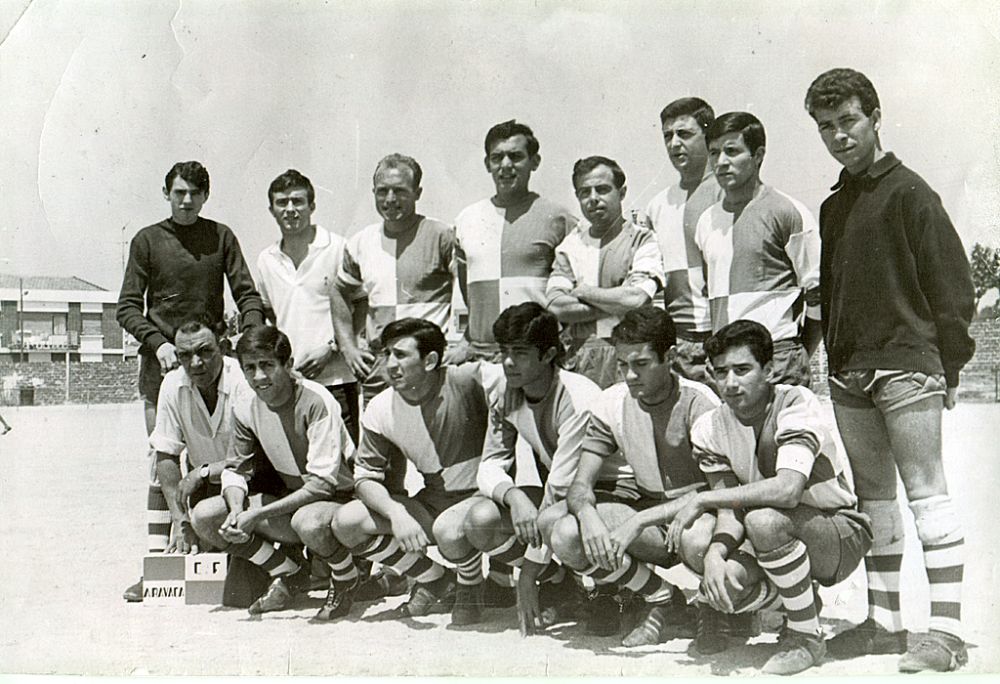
(410,275)
(508,253)
(650,443)
(442,438)
(554,427)
(794,436)
(764,264)
(300,298)
(674,217)
(631,258)
(183,420)
(305,440)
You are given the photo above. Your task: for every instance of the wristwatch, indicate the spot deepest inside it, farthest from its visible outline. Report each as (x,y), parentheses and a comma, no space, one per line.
(204,472)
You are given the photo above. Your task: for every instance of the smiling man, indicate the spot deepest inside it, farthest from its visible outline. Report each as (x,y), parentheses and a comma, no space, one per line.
(174,274)
(897,301)
(397,268)
(761,250)
(604,268)
(506,244)
(295,425)
(296,277)
(673,214)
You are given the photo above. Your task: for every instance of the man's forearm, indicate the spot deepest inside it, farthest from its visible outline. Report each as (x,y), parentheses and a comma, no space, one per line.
(664,513)
(614,300)
(340,314)
(774,492)
(289,504)
(569,309)
(376,497)
(168,470)
(579,499)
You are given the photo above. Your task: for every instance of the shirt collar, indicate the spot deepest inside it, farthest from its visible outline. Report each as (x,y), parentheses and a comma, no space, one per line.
(883,166)
(227,378)
(320,241)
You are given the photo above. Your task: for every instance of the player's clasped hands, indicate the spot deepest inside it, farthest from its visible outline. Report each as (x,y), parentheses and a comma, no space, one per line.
(238,526)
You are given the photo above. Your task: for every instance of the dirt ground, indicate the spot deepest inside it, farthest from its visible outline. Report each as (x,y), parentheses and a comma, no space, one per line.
(72,493)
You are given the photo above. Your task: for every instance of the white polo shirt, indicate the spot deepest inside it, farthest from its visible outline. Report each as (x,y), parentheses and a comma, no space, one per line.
(300,298)
(183,420)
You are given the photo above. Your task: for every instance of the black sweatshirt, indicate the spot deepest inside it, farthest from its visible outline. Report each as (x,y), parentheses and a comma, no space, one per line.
(896,288)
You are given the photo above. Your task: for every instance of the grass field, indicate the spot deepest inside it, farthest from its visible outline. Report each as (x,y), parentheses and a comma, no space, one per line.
(72,494)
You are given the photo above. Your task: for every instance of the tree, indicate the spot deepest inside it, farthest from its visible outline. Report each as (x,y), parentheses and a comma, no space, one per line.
(985,262)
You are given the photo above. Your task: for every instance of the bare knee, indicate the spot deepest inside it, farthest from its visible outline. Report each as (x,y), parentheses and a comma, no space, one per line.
(767,528)
(548,518)
(449,534)
(483,525)
(566,541)
(349,524)
(207,517)
(312,524)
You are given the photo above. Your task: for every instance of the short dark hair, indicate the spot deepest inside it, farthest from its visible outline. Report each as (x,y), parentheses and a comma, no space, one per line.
(193,326)
(508,129)
(429,336)
(694,107)
(646,325)
(191,171)
(395,161)
(584,166)
(289,180)
(264,339)
(834,87)
(529,323)
(742,333)
(745,123)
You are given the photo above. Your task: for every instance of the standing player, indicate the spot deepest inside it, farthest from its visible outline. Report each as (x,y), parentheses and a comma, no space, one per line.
(295,424)
(174,274)
(401,266)
(195,414)
(549,408)
(506,244)
(433,417)
(761,248)
(296,276)
(604,268)
(636,455)
(897,300)
(673,214)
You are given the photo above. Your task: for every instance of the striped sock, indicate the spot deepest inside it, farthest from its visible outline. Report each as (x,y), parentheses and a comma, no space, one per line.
(343,571)
(940,532)
(639,577)
(470,568)
(553,573)
(263,553)
(500,573)
(157,520)
(883,562)
(384,549)
(788,567)
(510,553)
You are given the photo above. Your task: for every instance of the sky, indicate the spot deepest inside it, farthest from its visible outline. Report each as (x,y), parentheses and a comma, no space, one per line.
(100,98)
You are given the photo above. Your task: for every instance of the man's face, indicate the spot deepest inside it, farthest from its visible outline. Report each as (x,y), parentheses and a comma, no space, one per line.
(647,377)
(186,201)
(735,167)
(406,371)
(292,210)
(600,201)
(269,378)
(850,135)
(510,165)
(200,357)
(524,363)
(395,194)
(742,381)
(685,143)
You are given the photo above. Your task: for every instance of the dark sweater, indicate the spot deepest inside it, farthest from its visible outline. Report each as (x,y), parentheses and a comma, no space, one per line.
(174,274)
(896,285)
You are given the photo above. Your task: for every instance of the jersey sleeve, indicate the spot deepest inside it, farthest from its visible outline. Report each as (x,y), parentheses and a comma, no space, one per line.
(707,447)
(349,274)
(799,434)
(493,477)
(168,435)
(574,419)
(324,457)
(562,280)
(243,447)
(262,270)
(376,452)
(599,439)
(646,270)
(803,249)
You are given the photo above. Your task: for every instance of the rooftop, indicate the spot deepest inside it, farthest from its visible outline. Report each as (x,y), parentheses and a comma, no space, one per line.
(48,283)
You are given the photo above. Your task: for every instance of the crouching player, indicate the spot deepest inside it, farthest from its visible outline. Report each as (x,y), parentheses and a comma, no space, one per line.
(295,424)
(772,453)
(435,417)
(549,408)
(636,455)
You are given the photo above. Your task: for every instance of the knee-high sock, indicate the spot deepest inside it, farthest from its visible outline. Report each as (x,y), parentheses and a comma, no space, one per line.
(883,562)
(384,549)
(263,553)
(788,567)
(157,520)
(470,568)
(634,575)
(343,571)
(940,532)
(501,573)
(510,553)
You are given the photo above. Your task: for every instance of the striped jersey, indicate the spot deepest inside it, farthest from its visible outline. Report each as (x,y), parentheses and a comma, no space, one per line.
(632,257)
(764,265)
(305,440)
(674,217)
(183,420)
(508,253)
(409,275)
(442,437)
(651,444)
(794,436)
(554,427)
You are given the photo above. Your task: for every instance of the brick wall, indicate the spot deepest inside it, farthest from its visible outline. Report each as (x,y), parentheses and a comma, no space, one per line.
(108,382)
